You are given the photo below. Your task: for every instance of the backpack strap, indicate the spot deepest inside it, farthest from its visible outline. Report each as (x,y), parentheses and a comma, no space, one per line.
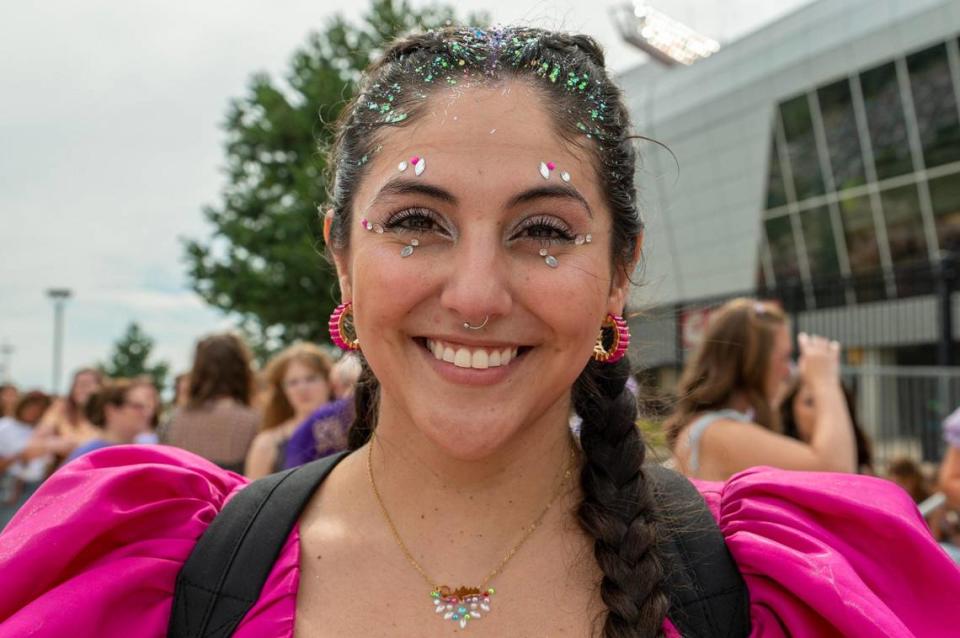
(708,597)
(223,576)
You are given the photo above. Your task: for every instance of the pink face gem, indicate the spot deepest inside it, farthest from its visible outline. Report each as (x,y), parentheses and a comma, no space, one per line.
(415,159)
(365,224)
(551,165)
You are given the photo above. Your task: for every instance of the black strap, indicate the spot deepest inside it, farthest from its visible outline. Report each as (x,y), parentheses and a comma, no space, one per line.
(223,576)
(228,567)
(708,597)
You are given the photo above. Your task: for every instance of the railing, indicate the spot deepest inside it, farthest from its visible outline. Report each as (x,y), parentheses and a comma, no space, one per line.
(901,408)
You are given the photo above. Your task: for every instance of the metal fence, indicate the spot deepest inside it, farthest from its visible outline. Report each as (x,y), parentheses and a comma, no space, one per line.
(901,408)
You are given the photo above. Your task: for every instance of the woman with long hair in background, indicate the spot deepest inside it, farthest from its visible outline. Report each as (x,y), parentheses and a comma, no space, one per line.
(298,382)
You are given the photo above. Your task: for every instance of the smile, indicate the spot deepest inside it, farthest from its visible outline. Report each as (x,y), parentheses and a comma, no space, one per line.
(462,356)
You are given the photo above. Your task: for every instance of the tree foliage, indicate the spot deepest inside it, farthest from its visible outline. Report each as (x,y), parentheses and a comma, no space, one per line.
(263,262)
(130,358)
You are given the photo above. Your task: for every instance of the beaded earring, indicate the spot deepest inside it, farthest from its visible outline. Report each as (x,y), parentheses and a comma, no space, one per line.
(341,324)
(621,340)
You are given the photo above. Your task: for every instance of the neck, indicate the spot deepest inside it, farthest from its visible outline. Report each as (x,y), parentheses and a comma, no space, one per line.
(441,504)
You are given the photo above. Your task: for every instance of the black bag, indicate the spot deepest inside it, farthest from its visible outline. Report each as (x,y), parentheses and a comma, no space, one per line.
(222,578)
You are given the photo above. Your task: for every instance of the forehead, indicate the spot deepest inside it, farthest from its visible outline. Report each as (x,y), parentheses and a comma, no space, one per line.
(499,132)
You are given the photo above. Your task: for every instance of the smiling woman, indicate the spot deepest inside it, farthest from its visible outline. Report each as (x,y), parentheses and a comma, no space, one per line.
(484,227)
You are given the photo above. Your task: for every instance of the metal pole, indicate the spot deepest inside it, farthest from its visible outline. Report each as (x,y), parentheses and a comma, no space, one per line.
(59,297)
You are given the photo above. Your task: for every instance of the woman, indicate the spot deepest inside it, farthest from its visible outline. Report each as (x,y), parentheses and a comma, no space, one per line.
(499,167)
(23,458)
(121,409)
(725,421)
(218,422)
(64,425)
(799,415)
(298,383)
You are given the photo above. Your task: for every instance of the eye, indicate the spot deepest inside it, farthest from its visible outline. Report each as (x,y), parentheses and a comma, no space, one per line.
(419,220)
(544,229)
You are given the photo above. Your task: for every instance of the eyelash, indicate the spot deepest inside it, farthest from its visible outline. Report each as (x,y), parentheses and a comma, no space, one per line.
(402,221)
(542,228)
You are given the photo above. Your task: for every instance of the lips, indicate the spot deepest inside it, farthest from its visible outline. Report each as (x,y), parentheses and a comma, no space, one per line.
(478,358)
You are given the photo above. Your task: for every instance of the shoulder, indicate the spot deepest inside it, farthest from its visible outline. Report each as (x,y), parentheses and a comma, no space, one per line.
(818,552)
(111,528)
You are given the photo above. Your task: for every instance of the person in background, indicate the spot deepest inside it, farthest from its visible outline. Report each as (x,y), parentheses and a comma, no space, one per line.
(798,415)
(298,382)
(949,477)
(217,422)
(121,409)
(725,421)
(325,431)
(64,426)
(150,436)
(9,395)
(906,473)
(344,375)
(23,460)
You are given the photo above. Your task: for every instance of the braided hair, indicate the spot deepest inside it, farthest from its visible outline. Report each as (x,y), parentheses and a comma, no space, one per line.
(587,108)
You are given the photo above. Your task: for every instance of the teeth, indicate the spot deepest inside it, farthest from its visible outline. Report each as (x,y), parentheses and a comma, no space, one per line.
(477,358)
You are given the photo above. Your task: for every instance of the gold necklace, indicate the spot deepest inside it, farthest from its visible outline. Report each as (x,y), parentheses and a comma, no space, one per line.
(463,604)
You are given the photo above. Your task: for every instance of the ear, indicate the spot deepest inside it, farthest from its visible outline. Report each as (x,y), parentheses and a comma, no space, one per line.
(620,289)
(327,223)
(346,291)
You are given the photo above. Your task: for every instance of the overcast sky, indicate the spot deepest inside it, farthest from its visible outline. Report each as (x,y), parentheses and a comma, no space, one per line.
(110,145)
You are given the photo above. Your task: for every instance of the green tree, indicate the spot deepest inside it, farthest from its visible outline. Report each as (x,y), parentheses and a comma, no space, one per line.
(263,262)
(130,358)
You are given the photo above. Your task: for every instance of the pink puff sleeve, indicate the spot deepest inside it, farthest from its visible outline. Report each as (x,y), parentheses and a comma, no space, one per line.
(96,551)
(835,555)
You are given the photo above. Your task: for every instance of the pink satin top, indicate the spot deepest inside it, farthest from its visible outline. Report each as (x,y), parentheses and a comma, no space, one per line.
(97,549)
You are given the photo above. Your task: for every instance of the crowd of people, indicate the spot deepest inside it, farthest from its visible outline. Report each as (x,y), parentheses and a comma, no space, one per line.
(481,430)
(222,409)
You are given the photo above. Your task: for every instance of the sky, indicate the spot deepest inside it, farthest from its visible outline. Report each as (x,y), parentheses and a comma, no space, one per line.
(111,145)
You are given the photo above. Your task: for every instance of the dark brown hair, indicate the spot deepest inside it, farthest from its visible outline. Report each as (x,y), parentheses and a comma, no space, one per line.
(734,357)
(589,112)
(221,369)
(788,421)
(34,397)
(112,392)
(278,408)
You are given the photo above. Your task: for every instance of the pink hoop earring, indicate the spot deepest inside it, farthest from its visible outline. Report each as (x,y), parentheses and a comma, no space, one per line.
(621,340)
(340,320)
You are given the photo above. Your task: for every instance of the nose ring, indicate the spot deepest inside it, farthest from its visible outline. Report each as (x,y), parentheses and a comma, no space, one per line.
(466,324)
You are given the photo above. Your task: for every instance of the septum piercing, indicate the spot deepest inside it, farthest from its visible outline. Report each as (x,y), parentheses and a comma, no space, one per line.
(466,324)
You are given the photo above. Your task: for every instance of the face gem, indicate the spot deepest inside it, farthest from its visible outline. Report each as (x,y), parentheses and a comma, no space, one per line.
(551,261)
(364,224)
(543,252)
(544,171)
(419,166)
(565,176)
(551,165)
(414,242)
(415,159)
(406,251)
(402,166)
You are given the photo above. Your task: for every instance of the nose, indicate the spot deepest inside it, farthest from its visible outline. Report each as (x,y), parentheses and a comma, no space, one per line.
(477,284)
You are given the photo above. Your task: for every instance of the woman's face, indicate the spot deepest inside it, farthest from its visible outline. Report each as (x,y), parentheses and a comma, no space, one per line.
(804,412)
(305,388)
(779,370)
(132,417)
(481,213)
(85,384)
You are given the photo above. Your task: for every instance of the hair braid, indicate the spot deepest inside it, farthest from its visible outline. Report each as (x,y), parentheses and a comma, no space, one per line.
(618,507)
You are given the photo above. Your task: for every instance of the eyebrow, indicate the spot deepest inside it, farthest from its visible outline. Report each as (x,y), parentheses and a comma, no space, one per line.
(552,191)
(415,187)
(402,186)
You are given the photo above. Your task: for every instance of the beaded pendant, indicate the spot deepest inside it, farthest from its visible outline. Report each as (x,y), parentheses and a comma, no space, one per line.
(462,604)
